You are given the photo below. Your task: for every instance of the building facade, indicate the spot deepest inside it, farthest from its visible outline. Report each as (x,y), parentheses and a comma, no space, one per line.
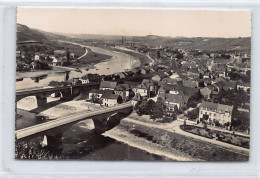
(213,113)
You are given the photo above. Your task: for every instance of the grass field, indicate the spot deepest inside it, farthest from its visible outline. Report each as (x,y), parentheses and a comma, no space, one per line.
(91,58)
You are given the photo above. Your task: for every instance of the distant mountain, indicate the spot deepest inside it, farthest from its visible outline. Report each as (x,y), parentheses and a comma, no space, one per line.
(195,43)
(48,38)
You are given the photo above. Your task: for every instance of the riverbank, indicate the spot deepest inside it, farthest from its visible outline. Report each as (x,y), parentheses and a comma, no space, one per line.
(38,73)
(170,144)
(144,59)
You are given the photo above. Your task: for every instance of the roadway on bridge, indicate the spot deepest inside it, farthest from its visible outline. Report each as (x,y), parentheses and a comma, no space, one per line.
(22,133)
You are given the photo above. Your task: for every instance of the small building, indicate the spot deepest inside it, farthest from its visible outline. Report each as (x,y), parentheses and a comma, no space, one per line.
(122,90)
(84,79)
(96,93)
(111,99)
(243,86)
(156,78)
(37,56)
(72,55)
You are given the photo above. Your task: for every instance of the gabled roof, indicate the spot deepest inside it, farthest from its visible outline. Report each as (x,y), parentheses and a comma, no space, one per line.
(122,87)
(131,84)
(110,96)
(98,91)
(174,98)
(108,84)
(216,106)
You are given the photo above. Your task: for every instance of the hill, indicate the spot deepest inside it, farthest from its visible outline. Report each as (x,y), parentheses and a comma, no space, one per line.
(27,35)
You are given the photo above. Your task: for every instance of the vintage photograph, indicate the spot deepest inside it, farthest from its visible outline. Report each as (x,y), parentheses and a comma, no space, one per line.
(132,84)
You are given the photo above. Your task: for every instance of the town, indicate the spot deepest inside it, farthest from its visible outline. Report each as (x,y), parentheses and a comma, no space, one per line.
(205,89)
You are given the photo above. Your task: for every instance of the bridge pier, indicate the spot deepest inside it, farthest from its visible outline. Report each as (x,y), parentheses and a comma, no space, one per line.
(41,101)
(54,143)
(100,125)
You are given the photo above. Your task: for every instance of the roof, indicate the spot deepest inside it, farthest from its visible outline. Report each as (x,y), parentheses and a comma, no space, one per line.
(122,87)
(109,96)
(108,84)
(216,106)
(131,84)
(91,77)
(174,98)
(98,91)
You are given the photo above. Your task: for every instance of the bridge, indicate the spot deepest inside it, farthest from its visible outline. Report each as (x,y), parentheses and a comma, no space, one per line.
(42,93)
(103,119)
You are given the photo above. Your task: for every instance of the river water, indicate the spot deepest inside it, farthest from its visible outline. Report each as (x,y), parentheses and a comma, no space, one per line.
(118,63)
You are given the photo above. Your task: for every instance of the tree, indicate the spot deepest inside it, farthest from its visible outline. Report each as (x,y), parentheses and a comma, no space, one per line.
(159,109)
(68,56)
(149,107)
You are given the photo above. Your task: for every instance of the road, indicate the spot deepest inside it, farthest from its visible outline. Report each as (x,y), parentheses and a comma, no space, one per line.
(175,128)
(84,54)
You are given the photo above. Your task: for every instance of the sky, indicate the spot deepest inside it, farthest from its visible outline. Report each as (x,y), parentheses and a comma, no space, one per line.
(138,22)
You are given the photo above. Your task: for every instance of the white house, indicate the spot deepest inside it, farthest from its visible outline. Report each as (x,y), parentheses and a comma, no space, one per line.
(214,112)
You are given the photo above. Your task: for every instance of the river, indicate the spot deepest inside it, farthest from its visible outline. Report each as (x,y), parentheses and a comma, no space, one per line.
(118,63)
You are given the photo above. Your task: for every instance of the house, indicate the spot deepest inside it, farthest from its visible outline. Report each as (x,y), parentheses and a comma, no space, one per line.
(131,84)
(75,81)
(174,76)
(156,78)
(190,65)
(190,83)
(96,93)
(122,75)
(207,92)
(207,81)
(18,53)
(174,102)
(231,85)
(141,89)
(92,77)
(145,71)
(37,56)
(110,99)
(214,113)
(107,85)
(219,85)
(122,90)
(84,79)
(243,86)
(72,55)
(170,81)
